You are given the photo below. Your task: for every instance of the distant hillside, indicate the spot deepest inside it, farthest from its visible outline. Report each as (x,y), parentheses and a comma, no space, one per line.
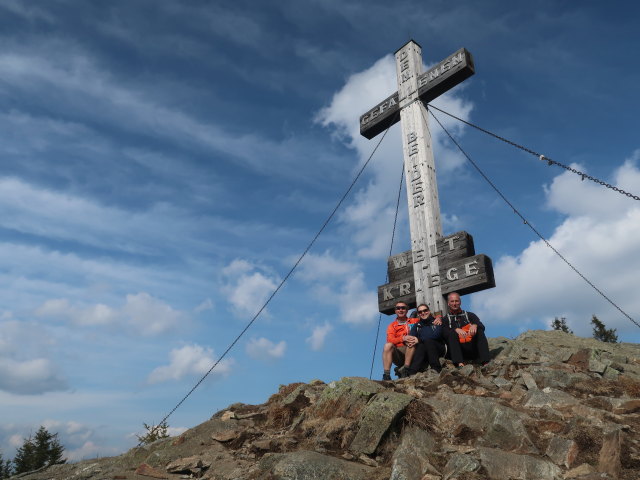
(549,406)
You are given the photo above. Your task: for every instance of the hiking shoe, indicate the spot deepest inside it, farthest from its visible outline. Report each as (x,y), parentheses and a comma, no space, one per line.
(386,376)
(402,372)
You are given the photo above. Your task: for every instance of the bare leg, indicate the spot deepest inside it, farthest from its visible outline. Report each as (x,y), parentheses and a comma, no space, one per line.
(387,355)
(408,356)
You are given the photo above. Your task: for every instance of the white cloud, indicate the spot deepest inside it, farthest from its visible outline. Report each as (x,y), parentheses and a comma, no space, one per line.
(264,349)
(599,236)
(25,366)
(319,335)
(339,282)
(205,305)
(141,312)
(247,286)
(370,216)
(150,315)
(93,315)
(33,376)
(190,360)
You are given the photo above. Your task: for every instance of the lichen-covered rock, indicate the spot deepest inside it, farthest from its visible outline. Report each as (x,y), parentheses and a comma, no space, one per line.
(377,417)
(412,457)
(501,465)
(311,466)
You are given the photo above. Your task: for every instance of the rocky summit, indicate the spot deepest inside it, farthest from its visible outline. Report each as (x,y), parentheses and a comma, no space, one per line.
(549,406)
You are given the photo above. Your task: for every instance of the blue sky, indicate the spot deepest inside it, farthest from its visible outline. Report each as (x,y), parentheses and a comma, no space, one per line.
(164,164)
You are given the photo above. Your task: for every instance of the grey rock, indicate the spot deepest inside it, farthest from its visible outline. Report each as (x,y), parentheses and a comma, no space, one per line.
(503,465)
(311,466)
(609,461)
(377,417)
(548,397)
(529,382)
(562,451)
(459,463)
(501,426)
(502,382)
(411,458)
(346,397)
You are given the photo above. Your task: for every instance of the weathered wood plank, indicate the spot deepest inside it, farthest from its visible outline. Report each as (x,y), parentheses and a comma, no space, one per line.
(445,75)
(380,117)
(447,249)
(454,246)
(400,291)
(454,69)
(466,275)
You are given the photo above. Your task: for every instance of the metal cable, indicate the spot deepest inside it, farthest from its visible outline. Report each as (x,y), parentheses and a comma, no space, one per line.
(286,277)
(542,158)
(526,222)
(393,234)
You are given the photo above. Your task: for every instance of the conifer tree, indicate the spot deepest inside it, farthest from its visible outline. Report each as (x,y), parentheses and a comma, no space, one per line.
(5,468)
(36,452)
(561,324)
(602,333)
(154,432)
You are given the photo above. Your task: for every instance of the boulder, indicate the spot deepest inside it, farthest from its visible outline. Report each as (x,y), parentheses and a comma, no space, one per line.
(459,464)
(311,466)
(378,416)
(501,465)
(346,397)
(609,461)
(411,458)
(562,451)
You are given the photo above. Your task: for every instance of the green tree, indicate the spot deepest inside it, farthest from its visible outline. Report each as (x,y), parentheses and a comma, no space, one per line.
(602,333)
(154,432)
(561,324)
(5,467)
(40,451)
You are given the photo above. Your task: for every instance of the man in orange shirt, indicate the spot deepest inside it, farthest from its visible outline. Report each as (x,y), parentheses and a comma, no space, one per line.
(398,349)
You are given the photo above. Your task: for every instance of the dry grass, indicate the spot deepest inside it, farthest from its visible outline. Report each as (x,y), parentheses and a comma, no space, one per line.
(419,414)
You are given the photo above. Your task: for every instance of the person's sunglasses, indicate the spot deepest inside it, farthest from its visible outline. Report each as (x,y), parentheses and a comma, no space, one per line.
(401,308)
(423,311)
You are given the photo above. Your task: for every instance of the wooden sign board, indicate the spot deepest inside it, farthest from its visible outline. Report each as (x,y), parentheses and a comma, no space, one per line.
(432,83)
(460,271)
(447,249)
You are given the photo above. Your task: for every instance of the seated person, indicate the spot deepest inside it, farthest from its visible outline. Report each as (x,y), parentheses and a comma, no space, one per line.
(464,333)
(396,350)
(427,337)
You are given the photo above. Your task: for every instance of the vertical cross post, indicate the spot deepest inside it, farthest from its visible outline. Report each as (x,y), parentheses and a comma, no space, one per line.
(420,172)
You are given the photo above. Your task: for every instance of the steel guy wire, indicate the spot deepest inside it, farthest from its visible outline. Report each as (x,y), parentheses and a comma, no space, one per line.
(273,294)
(393,234)
(542,157)
(526,222)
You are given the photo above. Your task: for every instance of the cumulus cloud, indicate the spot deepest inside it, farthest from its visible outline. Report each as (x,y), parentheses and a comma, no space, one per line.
(340,282)
(264,349)
(318,336)
(247,286)
(25,367)
(370,216)
(599,236)
(141,312)
(33,376)
(150,315)
(189,360)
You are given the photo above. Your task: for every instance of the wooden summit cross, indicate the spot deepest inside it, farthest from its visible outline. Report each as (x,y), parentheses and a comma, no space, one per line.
(435,265)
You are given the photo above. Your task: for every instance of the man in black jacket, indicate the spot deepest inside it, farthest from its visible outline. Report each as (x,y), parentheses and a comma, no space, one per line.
(464,333)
